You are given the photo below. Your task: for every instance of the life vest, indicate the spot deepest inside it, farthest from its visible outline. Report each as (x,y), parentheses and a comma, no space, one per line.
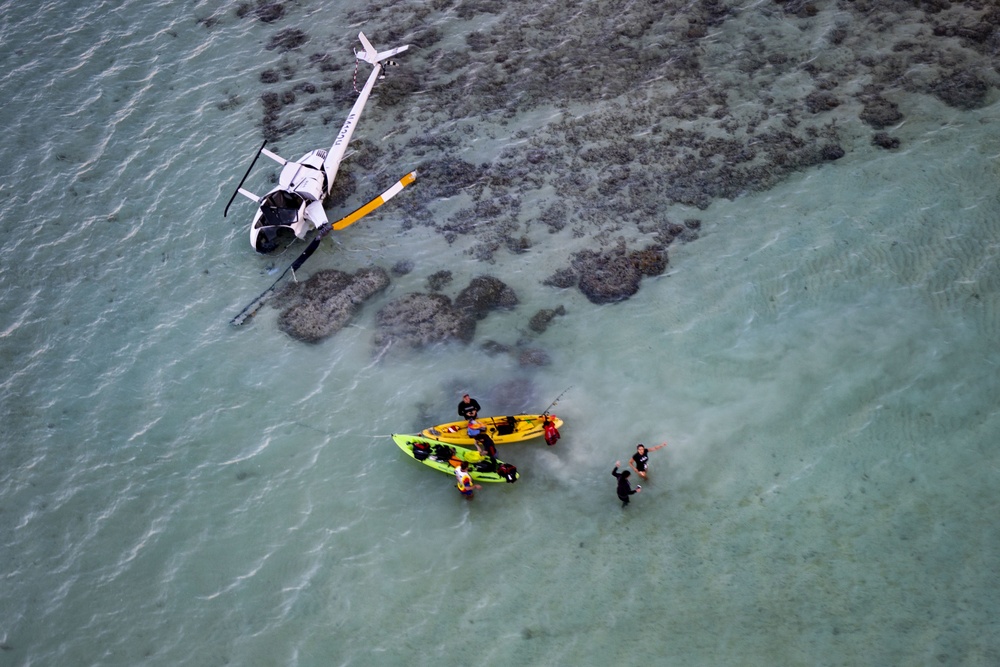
(551,433)
(508,472)
(463,480)
(475,428)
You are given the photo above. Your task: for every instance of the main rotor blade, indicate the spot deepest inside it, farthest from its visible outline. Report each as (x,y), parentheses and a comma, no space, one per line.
(349,220)
(255,305)
(311,248)
(249,169)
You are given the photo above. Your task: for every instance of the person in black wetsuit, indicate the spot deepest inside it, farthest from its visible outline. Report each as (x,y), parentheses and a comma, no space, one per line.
(468,407)
(640,460)
(624,487)
(486,447)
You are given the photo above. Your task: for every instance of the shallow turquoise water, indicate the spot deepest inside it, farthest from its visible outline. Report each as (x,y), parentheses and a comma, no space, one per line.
(822,361)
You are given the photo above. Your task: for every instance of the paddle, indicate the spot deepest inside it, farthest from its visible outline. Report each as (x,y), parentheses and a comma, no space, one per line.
(255,305)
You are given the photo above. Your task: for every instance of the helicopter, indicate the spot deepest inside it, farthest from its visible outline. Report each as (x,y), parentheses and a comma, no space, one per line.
(295,205)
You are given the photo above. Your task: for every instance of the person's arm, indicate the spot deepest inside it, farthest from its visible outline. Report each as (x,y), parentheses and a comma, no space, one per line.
(631,463)
(660,446)
(615,471)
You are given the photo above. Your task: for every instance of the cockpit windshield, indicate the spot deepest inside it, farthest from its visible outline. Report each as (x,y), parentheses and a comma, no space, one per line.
(281,208)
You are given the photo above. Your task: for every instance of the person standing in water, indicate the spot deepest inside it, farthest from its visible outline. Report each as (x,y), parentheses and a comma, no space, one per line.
(464,481)
(624,486)
(640,460)
(468,407)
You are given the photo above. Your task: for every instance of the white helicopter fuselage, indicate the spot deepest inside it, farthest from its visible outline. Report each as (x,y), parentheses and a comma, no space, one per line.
(295,204)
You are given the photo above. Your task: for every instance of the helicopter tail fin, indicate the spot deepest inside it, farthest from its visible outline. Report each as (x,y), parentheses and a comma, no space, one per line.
(370,55)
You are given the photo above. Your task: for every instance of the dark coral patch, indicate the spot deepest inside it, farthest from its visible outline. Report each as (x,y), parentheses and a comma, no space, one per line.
(485,294)
(613,275)
(417,320)
(880,112)
(324,304)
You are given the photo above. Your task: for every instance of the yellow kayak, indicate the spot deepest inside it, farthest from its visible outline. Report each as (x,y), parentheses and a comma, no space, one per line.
(503,430)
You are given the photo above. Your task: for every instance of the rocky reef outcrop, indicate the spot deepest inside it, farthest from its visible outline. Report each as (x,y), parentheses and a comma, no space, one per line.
(485,294)
(324,304)
(418,319)
(613,274)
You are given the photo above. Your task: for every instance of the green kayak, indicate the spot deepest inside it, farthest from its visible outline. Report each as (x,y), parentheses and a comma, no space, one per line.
(445,458)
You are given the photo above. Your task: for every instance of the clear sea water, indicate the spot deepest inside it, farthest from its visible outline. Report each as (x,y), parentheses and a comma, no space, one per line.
(173,490)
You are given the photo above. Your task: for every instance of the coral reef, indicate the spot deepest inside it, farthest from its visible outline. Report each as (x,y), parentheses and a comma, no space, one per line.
(612,274)
(264,11)
(417,320)
(483,295)
(634,108)
(885,140)
(540,321)
(533,356)
(438,280)
(324,304)
(880,112)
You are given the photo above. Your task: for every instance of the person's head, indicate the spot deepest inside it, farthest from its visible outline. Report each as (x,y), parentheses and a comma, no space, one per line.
(625,474)
(480,438)
(465,466)
(641,448)
(466,398)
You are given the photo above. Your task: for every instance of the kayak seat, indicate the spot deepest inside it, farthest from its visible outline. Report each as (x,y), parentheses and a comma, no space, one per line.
(443,452)
(506,427)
